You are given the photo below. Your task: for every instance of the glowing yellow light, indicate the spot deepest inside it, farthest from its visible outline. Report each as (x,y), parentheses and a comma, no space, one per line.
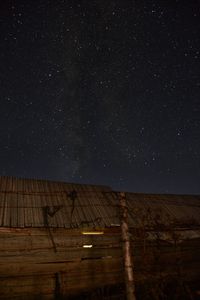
(92,232)
(87,246)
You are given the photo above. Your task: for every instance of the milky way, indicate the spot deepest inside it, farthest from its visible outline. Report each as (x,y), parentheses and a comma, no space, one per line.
(102,92)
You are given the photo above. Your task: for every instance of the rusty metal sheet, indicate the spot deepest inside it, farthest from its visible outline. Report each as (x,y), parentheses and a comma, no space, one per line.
(23,203)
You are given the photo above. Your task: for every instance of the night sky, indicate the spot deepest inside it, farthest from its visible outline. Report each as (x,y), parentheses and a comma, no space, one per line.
(101,92)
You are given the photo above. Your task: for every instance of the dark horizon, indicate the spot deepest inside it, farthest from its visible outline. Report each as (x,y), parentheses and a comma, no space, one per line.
(102,93)
(99,185)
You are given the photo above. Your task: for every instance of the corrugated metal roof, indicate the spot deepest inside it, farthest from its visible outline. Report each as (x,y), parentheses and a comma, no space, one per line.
(39,203)
(24,203)
(181,209)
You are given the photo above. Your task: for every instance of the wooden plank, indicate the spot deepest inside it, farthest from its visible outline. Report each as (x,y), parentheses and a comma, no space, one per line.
(14,241)
(27,285)
(44,296)
(76,268)
(63,255)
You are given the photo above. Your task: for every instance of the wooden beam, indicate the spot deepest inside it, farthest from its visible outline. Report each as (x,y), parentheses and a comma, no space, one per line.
(128,264)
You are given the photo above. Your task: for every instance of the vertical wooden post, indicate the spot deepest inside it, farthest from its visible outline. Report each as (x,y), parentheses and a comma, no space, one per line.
(128,264)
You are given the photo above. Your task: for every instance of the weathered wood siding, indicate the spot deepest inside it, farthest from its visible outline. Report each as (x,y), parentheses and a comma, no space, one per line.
(30,267)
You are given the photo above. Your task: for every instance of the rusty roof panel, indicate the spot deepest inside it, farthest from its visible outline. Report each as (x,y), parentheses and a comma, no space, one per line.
(23,203)
(169,208)
(40,203)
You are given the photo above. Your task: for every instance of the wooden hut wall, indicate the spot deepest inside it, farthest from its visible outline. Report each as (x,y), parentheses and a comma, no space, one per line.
(41,240)
(30,265)
(31,268)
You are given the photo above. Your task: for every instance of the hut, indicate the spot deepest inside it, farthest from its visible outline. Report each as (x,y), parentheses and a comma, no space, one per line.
(63,241)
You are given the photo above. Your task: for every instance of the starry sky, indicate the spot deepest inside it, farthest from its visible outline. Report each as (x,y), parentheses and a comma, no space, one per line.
(101,92)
